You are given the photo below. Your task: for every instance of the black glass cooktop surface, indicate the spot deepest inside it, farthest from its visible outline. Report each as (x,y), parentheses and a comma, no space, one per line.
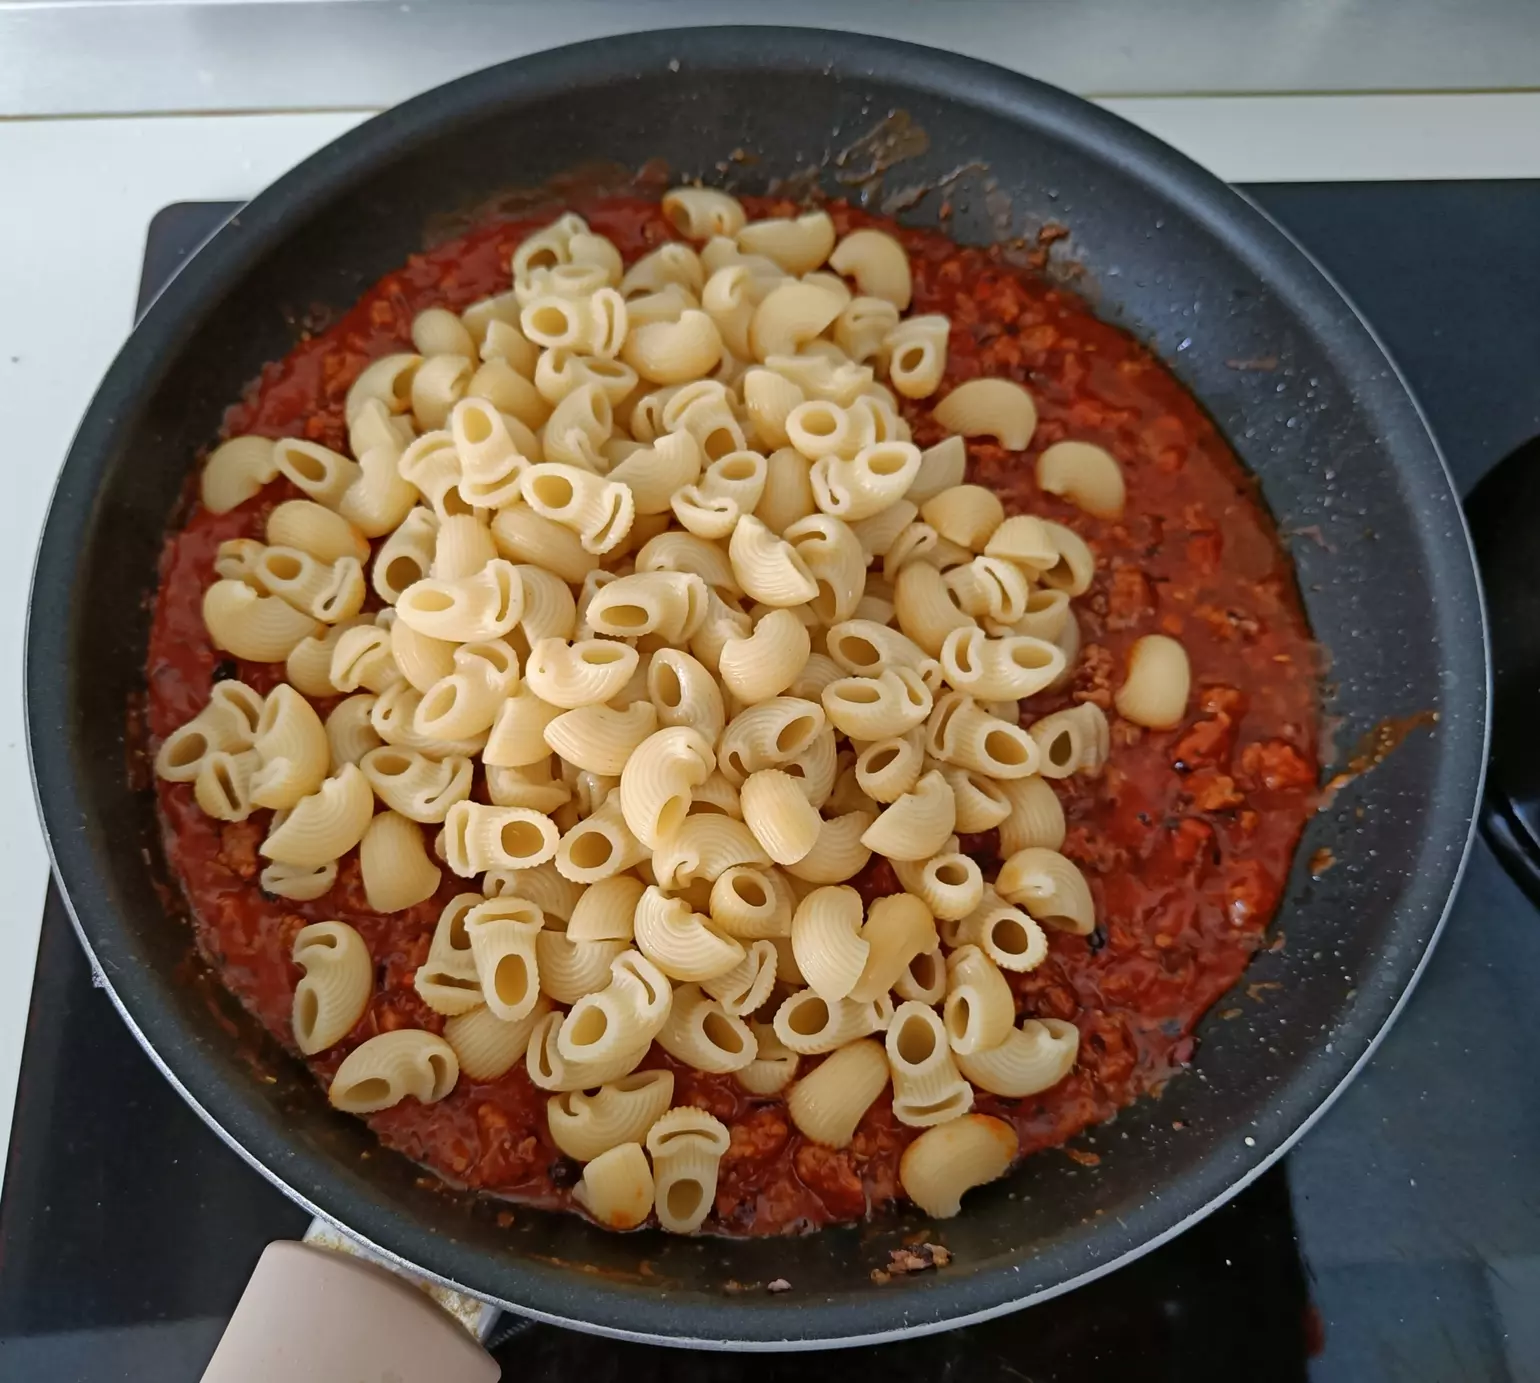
(1399,1241)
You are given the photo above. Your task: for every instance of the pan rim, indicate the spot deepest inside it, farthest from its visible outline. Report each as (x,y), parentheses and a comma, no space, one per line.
(313,1179)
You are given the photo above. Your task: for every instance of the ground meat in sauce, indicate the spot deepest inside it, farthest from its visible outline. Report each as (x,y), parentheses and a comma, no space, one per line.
(1186,838)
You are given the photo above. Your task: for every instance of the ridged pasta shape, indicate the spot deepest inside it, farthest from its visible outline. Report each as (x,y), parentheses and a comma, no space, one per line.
(778,813)
(1155,688)
(579,674)
(1075,565)
(585,1125)
(960,732)
(946,1161)
(303,884)
(549,1070)
(599,739)
(857,487)
(888,768)
(898,928)
(747,904)
(893,702)
(466,703)
(598,847)
(488,1047)
(998,408)
(979,1007)
(704,848)
(606,911)
(484,606)
(1007,935)
(1037,1055)
(391,1067)
(981,802)
(419,788)
(325,825)
(228,724)
(543,886)
(698,213)
(316,530)
(259,628)
(478,837)
(406,556)
(622,1017)
(916,351)
(394,864)
(570,969)
(531,785)
(308,667)
(333,993)
(387,380)
(917,824)
(767,568)
(703,1035)
(1004,669)
(686,1146)
(1050,887)
(320,472)
(925,978)
(658,781)
(1036,816)
(767,735)
(826,939)
(235,471)
(925,607)
(617,1187)
(774,1066)
(829,1101)
(523,536)
(747,986)
(808,1024)
(1087,475)
(927,1088)
(839,853)
(1075,740)
(502,933)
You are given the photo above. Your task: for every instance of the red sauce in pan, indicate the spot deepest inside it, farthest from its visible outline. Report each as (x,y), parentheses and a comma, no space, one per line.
(1186,838)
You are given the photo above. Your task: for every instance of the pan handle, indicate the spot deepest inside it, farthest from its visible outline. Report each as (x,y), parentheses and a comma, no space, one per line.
(311,1315)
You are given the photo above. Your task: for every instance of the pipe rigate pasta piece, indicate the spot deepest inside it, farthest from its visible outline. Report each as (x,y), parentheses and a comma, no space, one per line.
(621,1018)
(416,786)
(998,408)
(585,1125)
(967,515)
(898,928)
(571,969)
(1076,740)
(484,606)
(952,1158)
(979,1007)
(598,510)
(259,628)
(406,556)
(617,1187)
(502,934)
(799,244)
(227,724)
(950,884)
(698,213)
(658,780)
(1085,474)
(839,853)
(671,605)
(466,703)
(599,739)
(320,472)
(523,536)
(1036,816)
(925,607)
(917,824)
(827,942)
(1003,669)
(859,486)
(517,737)
(674,352)
(927,1089)
(925,978)
(891,703)
(808,1024)
(827,1104)
(235,471)
(703,848)
(877,263)
(1050,887)
(440,382)
(1155,689)
(437,331)
(777,811)
(549,1069)
(488,1047)
(981,802)
(916,351)
(324,826)
(333,994)
(960,732)
(304,884)
(767,568)
(314,529)
(686,1146)
(579,674)
(789,316)
(888,768)
(703,1035)
(768,735)
(606,911)
(1007,935)
(747,986)
(309,664)
(747,904)
(833,557)
(598,847)
(387,380)
(680,942)
(394,864)
(478,838)
(390,1067)
(1075,565)
(774,1066)
(1036,1056)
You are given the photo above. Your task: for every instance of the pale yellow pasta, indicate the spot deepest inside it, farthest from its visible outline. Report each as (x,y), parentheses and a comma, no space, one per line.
(964,514)
(414,785)
(916,542)
(819,429)
(600,739)
(607,910)
(617,1187)
(447,980)
(488,1047)
(579,674)
(326,591)
(769,399)
(747,986)
(388,379)
(393,717)
(394,864)
(501,310)
(1003,669)
(1007,935)
(523,536)
(406,556)
(768,568)
(925,978)
(898,928)
(981,802)
(1024,540)
(302,883)
(1155,688)
(827,1104)
(950,884)
(670,263)
(815,768)
(942,467)
(391,1066)
(916,351)
(437,331)
(686,1146)
(516,399)
(315,529)
(774,1066)
(868,482)
(925,607)
(891,703)
(236,560)
(479,837)
(888,768)
(991,587)
(462,547)
(599,511)
(917,824)
(674,352)
(816,674)
(839,853)
(658,780)
(863,326)
(827,942)
(517,737)
(584,1125)
(808,1024)
(292,750)
(946,1161)
(979,1007)
(779,814)
(670,604)
(616,1024)
(788,492)
(227,724)
(259,628)
(998,408)
(484,606)
(865,648)
(530,785)
(1076,740)
(235,471)
(374,426)
(1035,1057)
(1075,565)
(320,472)
(502,933)
(702,1034)
(334,991)
(325,825)
(439,383)
(570,969)
(668,304)
(542,885)
(599,847)
(1086,475)
(790,315)
(877,263)
(698,213)
(422,660)
(798,244)
(746,904)
(1050,887)
(680,942)
(832,555)
(578,427)
(361,657)
(549,1069)
(1036,817)
(878,533)
(822,372)
(768,734)
(654,473)
(729,298)
(716,794)
(765,664)
(847,795)
(309,664)
(467,702)
(927,1089)
(960,732)
(703,848)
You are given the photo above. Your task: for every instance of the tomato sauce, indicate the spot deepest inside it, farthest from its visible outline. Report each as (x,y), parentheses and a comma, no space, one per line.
(1186,838)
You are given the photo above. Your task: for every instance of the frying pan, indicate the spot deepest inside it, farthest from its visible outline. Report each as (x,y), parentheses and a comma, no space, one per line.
(1287,369)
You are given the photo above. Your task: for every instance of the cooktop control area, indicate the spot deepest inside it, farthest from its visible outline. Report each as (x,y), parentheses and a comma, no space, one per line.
(1399,1241)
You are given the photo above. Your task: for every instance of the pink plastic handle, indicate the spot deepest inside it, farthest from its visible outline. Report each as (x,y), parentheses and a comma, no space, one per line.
(312,1316)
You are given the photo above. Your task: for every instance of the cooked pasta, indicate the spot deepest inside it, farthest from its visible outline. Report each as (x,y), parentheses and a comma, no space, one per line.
(839,853)
(334,991)
(686,1146)
(950,883)
(392,1066)
(927,1087)
(1036,1056)
(585,1126)
(1050,887)
(394,863)
(774,1066)
(1075,740)
(946,1161)
(617,1187)
(1154,691)
(827,1103)
(898,928)
(323,826)
(979,1005)
(808,1024)
(917,824)
(487,1046)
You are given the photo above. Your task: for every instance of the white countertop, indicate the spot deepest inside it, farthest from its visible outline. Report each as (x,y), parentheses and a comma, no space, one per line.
(80,192)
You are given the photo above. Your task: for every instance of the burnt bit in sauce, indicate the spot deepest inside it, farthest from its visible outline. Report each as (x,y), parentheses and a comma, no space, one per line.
(1185,839)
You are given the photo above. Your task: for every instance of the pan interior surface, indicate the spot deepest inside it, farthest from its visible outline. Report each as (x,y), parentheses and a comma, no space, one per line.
(1289,373)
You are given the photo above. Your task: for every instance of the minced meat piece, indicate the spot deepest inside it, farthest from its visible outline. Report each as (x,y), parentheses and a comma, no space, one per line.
(1274,764)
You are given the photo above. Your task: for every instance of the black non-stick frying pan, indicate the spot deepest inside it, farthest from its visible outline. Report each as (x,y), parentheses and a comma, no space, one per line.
(1345,462)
